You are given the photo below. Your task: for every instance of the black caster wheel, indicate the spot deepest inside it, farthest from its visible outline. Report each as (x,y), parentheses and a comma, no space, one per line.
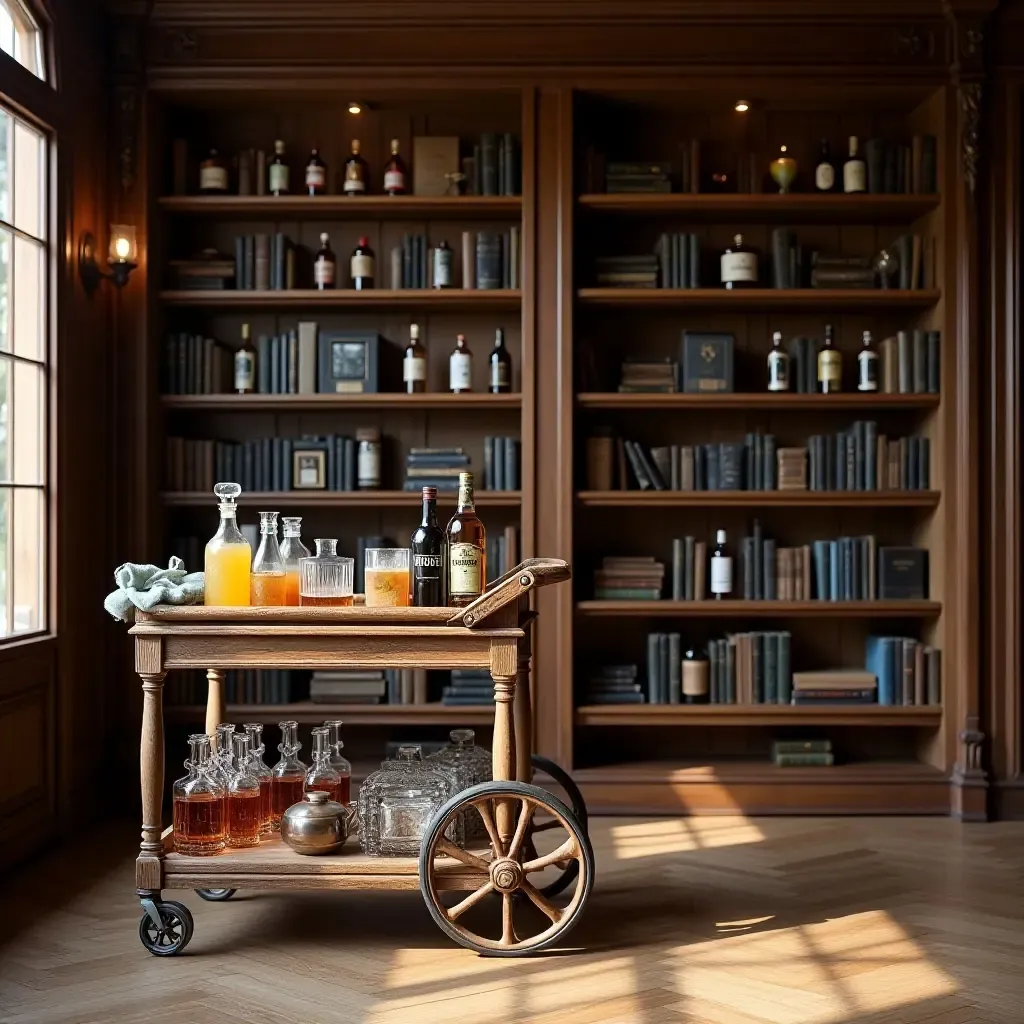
(174,932)
(215,895)
(579,809)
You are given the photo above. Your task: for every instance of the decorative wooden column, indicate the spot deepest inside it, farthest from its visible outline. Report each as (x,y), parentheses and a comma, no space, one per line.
(215,707)
(149,665)
(504,666)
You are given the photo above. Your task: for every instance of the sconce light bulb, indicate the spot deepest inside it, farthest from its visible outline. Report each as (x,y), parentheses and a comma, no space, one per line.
(782,149)
(742,106)
(122,247)
(355,108)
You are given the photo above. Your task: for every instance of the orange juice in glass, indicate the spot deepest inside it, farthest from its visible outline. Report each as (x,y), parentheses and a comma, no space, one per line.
(387,577)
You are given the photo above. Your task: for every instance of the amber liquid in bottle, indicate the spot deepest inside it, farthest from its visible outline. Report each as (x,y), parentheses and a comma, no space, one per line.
(244,819)
(268,588)
(326,602)
(199,824)
(334,790)
(467,549)
(266,805)
(285,791)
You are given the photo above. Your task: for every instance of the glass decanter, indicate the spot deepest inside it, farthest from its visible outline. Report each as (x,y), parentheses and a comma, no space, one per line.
(243,797)
(224,753)
(292,549)
(261,771)
(468,764)
(339,762)
(288,775)
(397,803)
(326,577)
(267,584)
(228,555)
(198,804)
(321,774)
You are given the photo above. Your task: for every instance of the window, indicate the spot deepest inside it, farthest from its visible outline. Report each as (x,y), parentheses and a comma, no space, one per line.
(20,37)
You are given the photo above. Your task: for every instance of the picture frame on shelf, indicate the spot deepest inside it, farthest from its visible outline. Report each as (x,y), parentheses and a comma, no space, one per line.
(349,362)
(309,467)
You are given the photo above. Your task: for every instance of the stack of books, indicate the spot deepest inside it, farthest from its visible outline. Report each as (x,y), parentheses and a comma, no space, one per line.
(750,668)
(347,687)
(626,271)
(406,685)
(689,569)
(802,753)
(629,579)
(678,261)
(469,687)
(841,271)
(835,686)
(435,467)
(660,378)
(613,684)
(638,177)
(792,469)
(664,668)
(210,271)
(501,464)
(909,673)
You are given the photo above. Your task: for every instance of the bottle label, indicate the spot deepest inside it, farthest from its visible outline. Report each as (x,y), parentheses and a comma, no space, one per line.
(278,177)
(721,574)
(394,181)
(465,562)
(778,371)
(867,378)
(739,266)
(353,181)
(414,368)
(853,176)
(460,372)
(499,374)
(368,464)
(213,178)
(432,564)
(362,266)
(442,268)
(824,177)
(315,177)
(829,365)
(695,678)
(323,272)
(245,370)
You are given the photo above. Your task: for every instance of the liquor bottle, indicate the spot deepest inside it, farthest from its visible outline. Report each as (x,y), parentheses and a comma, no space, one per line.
(199,803)
(414,365)
(778,365)
(292,549)
(394,172)
(825,172)
(288,775)
(443,266)
(739,265)
(245,820)
(245,364)
(695,678)
(267,582)
(228,555)
(427,547)
(854,171)
(867,365)
(356,173)
(466,540)
(261,771)
(321,774)
(500,365)
(460,367)
(721,568)
(830,365)
(278,171)
(213,174)
(325,266)
(362,267)
(316,174)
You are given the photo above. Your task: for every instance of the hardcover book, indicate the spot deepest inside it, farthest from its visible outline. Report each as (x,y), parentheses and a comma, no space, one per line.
(707,361)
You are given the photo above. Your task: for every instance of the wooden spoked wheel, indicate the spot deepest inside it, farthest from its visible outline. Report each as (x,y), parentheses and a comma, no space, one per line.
(505,914)
(555,880)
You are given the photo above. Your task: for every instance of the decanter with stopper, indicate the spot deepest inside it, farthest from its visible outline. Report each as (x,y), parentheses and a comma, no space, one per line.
(470,765)
(339,762)
(198,804)
(244,820)
(292,549)
(321,774)
(228,555)
(268,581)
(261,771)
(326,577)
(289,774)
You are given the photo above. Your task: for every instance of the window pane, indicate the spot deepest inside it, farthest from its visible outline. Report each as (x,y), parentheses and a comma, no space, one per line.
(29,298)
(6,132)
(20,37)
(5,560)
(6,382)
(29,177)
(28,539)
(5,291)
(28,405)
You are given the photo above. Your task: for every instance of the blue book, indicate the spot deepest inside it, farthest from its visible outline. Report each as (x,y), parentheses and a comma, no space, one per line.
(652,667)
(274,374)
(821,570)
(833,570)
(878,660)
(785,676)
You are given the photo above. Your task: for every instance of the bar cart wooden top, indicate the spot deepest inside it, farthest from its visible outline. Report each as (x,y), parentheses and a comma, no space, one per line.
(491,633)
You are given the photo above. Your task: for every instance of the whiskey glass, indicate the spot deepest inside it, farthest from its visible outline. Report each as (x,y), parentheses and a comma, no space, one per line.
(387,577)
(325,579)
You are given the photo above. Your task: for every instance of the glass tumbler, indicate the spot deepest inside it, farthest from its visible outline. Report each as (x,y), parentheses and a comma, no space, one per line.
(387,577)
(325,579)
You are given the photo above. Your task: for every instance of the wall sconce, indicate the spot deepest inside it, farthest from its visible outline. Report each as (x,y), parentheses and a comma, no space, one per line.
(355,108)
(122,258)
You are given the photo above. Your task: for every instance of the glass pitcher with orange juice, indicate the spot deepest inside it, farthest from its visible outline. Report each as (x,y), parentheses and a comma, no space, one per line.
(228,555)
(268,579)
(292,549)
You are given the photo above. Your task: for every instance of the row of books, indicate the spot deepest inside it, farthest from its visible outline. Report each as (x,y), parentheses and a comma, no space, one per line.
(502,552)
(241,686)
(372,686)
(908,672)
(489,260)
(626,271)
(195,365)
(286,364)
(625,578)
(678,260)
(859,459)
(501,464)
(264,262)
(468,686)
(440,467)
(494,169)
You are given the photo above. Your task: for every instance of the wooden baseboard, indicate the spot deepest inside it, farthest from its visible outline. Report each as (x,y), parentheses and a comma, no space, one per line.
(1008,800)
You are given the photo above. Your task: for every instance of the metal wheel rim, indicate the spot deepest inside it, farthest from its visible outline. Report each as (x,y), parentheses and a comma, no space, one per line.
(175,934)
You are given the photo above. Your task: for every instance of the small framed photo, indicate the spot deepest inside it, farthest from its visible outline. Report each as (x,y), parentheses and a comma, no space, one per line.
(348,362)
(309,469)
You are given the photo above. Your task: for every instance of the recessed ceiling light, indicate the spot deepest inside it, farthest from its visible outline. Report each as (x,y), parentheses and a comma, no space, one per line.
(742,106)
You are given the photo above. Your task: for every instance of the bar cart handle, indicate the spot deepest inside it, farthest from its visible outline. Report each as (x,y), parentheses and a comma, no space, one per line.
(533,572)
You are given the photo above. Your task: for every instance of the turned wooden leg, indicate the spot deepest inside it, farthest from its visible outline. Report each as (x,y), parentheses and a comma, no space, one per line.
(523,716)
(151,764)
(215,712)
(503,752)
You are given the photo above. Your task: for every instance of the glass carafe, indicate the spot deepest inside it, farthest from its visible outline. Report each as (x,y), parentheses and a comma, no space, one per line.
(339,762)
(292,549)
(321,774)
(261,771)
(288,775)
(325,578)
(221,760)
(198,804)
(473,764)
(243,797)
(228,555)
(267,584)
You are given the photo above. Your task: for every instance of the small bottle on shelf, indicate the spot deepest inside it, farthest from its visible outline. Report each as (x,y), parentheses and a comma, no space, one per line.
(339,762)
(198,801)
(854,170)
(325,265)
(778,365)
(414,364)
(394,172)
(244,807)
(356,173)
(721,568)
(500,365)
(213,175)
(695,678)
(427,546)
(267,583)
(292,549)
(825,172)
(288,775)
(245,364)
(228,555)
(867,364)
(460,367)
(368,458)
(362,266)
(261,771)
(466,540)
(316,174)
(277,172)
(321,774)
(830,365)
(443,276)
(739,265)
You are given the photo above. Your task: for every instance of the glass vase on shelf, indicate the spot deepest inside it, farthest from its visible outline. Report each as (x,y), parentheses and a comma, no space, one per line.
(288,775)
(244,820)
(292,549)
(228,555)
(321,774)
(339,762)
(262,772)
(198,800)
(267,585)
(325,578)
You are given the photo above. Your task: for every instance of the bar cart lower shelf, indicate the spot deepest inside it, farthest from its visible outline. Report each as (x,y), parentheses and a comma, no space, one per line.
(508,873)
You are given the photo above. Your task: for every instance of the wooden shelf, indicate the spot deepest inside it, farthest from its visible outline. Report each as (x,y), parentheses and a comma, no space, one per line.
(758,499)
(753,300)
(335,403)
(343,499)
(761,400)
(761,714)
(348,298)
(365,714)
(710,609)
(794,208)
(348,207)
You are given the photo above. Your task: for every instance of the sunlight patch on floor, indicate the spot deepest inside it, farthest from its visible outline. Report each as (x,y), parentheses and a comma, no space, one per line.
(681,835)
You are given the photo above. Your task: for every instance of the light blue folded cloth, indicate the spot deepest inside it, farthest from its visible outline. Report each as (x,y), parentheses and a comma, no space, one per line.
(145,586)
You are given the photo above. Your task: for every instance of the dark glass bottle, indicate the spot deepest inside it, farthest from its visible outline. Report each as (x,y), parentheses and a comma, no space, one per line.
(695,678)
(356,173)
(830,365)
(394,172)
(739,265)
(316,175)
(500,365)
(213,174)
(325,264)
(362,265)
(277,172)
(427,546)
(825,172)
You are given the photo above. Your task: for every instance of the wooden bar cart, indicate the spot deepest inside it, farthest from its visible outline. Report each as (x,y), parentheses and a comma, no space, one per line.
(493,633)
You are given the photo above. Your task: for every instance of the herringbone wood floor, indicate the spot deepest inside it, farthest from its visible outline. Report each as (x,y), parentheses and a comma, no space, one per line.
(703,921)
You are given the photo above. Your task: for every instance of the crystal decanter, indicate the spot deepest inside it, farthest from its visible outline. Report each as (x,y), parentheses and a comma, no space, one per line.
(292,549)
(321,774)
(199,804)
(339,762)
(262,772)
(288,775)
(470,765)
(244,819)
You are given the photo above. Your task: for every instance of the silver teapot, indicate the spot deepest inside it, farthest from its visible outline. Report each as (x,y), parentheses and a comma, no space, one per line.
(316,824)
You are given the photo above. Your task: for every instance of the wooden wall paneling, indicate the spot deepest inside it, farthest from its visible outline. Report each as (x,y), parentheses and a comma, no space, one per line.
(528,343)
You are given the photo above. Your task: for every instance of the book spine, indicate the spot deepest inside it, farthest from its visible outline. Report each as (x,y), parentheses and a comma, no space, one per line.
(678,549)
(675,659)
(784,673)
(652,668)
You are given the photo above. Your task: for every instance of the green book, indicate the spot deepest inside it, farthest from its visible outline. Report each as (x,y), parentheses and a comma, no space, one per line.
(803,760)
(801,747)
